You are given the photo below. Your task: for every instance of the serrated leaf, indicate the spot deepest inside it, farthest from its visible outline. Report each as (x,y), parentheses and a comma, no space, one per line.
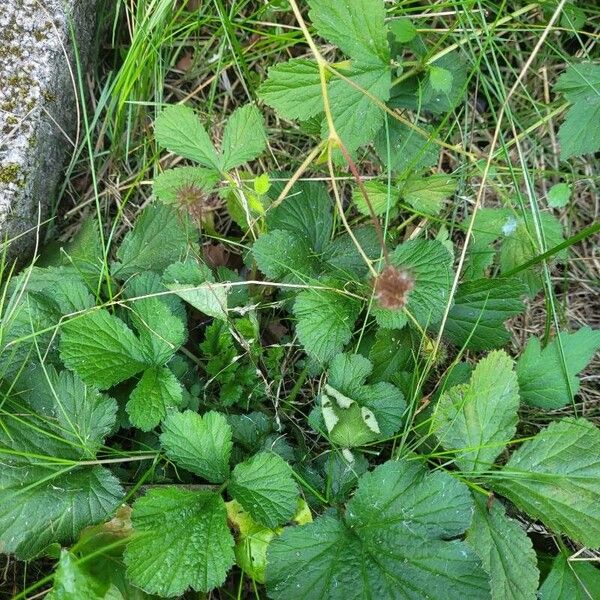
(393,538)
(571,580)
(155,393)
(403,30)
(541,372)
(264,486)
(71,582)
(506,552)
(101,349)
(200,444)
(476,320)
(183,541)
(356,27)
(169,183)
(579,82)
(555,477)
(381,201)
(391,353)
(243,138)
(479,419)
(43,504)
(558,195)
(429,264)
(194,283)
(440,79)
(343,259)
(325,322)
(579,134)
(178,129)
(161,235)
(306,211)
(427,194)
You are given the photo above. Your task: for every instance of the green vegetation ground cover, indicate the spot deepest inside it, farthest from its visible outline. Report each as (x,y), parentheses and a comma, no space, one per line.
(318,322)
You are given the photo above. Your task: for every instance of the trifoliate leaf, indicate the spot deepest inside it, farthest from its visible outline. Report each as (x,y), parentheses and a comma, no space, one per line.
(161,235)
(178,129)
(476,320)
(558,195)
(555,477)
(101,349)
(429,264)
(293,89)
(545,380)
(155,393)
(285,256)
(396,535)
(427,194)
(182,541)
(173,186)
(200,444)
(571,580)
(357,28)
(480,418)
(264,486)
(505,550)
(325,321)
(243,138)
(44,504)
(440,79)
(307,211)
(194,283)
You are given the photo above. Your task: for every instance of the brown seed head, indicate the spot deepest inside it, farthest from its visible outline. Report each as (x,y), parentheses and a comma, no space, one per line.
(392,287)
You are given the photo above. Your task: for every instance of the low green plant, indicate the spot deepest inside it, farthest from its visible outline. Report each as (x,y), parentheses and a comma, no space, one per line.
(337,416)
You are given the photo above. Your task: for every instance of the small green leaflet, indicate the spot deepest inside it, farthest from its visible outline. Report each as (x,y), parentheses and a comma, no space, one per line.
(101,349)
(72,582)
(394,537)
(480,309)
(403,30)
(558,195)
(325,321)
(200,444)
(183,541)
(479,418)
(243,138)
(440,79)
(505,550)
(427,194)
(264,486)
(571,580)
(378,197)
(541,372)
(155,393)
(580,134)
(555,477)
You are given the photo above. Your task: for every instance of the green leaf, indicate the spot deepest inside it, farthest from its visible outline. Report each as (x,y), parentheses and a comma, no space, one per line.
(479,419)
(555,477)
(440,79)
(183,541)
(168,185)
(293,89)
(476,321)
(403,30)
(429,264)
(244,137)
(72,582)
(542,378)
(155,393)
(427,194)
(161,235)
(178,129)
(579,82)
(264,486)
(571,580)
(193,282)
(343,259)
(396,536)
(391,353)
(325,322)
(558,195)
(378,196)
(356,27)
(506,552)
(42,505)
(101,349)
(306,211)
(200,444)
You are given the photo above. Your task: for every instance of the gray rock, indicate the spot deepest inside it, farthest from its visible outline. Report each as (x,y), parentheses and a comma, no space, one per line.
(38,108)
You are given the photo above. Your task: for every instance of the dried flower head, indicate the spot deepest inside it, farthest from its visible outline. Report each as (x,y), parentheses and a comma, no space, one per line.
(194,201)
(392,287)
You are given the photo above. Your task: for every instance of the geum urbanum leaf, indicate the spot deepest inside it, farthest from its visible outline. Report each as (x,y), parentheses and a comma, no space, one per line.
(571,580)
(264,486)
(548,381)
(243,138)
(478,419)
(200,444)
(396,540)
(505,550)
(169,186)
(181,541)
(555,477)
